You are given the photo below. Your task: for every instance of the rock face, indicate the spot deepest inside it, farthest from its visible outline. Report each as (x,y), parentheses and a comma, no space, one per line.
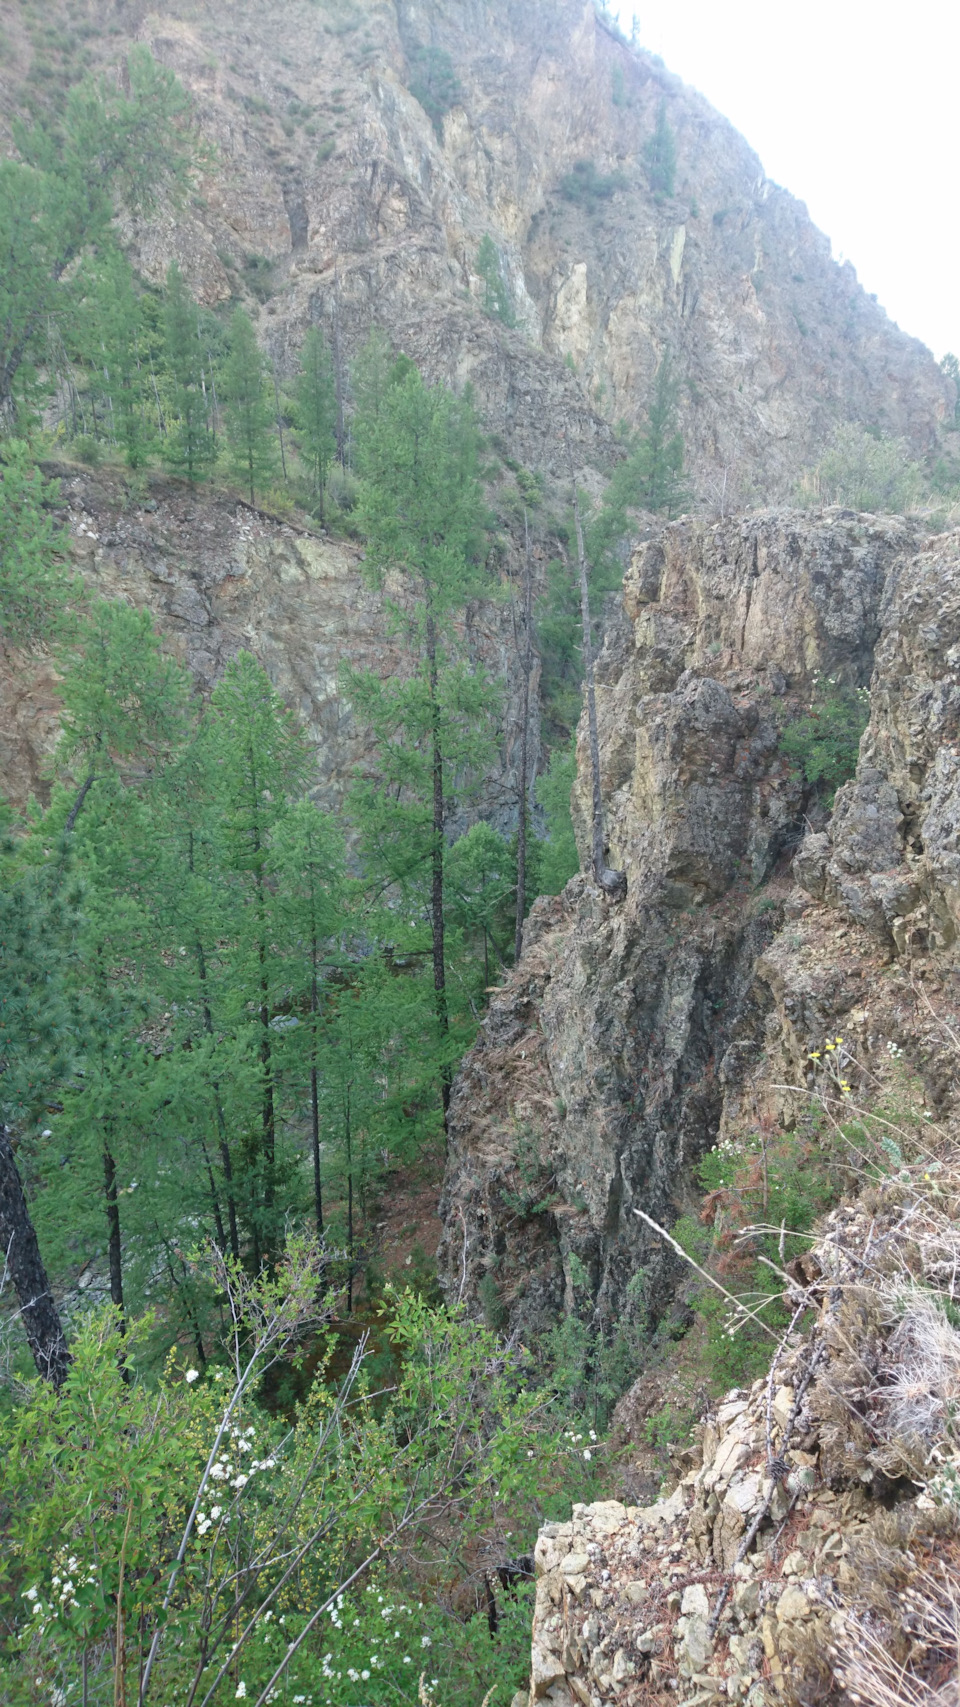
(219,576)
(339,200)
(632,1037)
(809,1552)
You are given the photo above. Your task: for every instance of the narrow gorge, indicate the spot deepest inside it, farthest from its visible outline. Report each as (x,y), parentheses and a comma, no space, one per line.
(517,1289)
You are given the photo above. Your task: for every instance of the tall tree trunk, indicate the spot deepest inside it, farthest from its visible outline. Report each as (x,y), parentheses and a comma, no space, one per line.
(436,885)
(114,1245)
(348,1135)
(276,399)
(22,1261)
(314,1093)
(523,814)
(223,1144)
(338,371)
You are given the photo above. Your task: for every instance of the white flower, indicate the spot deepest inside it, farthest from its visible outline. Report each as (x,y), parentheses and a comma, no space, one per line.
(215,1511)
(407,1660)
(241,1691)
(425,1642)
(31,1593)
(239,1482)
(364,1674)
(586,1453)
(191,1376)
(592,1435)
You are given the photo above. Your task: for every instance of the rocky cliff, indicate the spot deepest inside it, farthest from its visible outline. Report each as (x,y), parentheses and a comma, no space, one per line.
(632,1037)
(361,152)
(808,1551)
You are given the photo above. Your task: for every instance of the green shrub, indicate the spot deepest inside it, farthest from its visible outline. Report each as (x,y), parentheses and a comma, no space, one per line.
(587,187)
(434,83)
(864,471)
(660,156)
(496,296)
(258,272)
(825,743)
(763,1182)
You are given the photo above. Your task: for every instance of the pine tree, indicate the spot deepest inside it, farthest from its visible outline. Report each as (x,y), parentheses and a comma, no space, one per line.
(123,701)
(316,399)
(117,354)
(660,154)
(34,588)
(249,418)
(307,868)
(189,447)
(111,144)
(421,511)
(258,762)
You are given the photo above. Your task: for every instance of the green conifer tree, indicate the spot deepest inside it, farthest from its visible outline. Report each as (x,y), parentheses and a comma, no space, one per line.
(421,510)
(115,141)
(249,417)
(116,356)
(34,588)
(316,400)
(306,866)
(189,447)
(660,155)
(258,761)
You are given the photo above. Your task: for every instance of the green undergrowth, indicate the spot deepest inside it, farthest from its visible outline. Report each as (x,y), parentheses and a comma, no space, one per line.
(762,1196)
(824,743)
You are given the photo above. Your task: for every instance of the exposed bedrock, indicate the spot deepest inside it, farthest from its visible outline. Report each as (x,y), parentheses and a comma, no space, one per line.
(630,1036)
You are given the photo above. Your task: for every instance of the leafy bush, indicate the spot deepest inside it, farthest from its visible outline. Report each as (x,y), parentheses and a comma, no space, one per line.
(864,471)
(587,187)
(258,272)
(186,1528)
(825,742)
(763,1193)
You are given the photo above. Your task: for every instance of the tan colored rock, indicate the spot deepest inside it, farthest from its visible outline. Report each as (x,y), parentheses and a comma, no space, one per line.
(546,1669)
(793,1606)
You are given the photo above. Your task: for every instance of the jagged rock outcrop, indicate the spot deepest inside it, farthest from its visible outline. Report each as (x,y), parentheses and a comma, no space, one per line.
(335,198)
(811,1553)
(631,1036)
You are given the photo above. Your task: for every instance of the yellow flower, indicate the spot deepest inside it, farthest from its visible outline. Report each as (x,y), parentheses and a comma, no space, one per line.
(829,1047)
(814,1055)
(839,1039)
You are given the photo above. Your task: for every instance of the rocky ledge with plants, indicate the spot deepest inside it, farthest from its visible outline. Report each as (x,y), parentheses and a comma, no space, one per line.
(714,1128)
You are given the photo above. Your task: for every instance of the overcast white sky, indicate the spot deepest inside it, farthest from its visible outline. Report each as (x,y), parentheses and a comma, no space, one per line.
(854,106)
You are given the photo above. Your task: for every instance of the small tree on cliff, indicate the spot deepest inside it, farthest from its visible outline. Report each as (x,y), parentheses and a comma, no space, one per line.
(316,400)
(249,417)
(189,447)
(660,155)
